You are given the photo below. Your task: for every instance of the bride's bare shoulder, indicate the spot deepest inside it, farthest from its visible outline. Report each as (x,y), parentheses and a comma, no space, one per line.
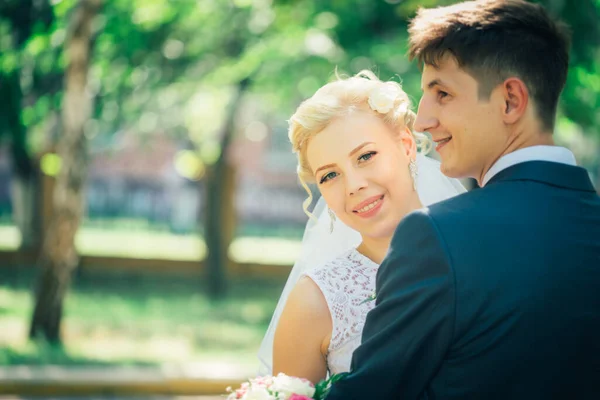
(303,332)
(307,301)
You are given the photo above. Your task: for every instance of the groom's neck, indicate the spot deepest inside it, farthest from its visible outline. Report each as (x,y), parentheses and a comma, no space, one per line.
(518,139)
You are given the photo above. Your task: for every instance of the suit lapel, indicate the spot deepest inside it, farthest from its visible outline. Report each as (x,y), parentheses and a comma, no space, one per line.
(551,173)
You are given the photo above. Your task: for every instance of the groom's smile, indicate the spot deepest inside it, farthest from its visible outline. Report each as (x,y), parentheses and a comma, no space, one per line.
(440,143)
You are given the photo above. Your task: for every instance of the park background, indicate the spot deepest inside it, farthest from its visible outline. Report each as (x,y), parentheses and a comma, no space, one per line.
(149,207)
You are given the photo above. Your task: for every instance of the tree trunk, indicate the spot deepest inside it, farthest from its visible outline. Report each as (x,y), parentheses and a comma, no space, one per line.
(59,257)
(24,182)
(219,205)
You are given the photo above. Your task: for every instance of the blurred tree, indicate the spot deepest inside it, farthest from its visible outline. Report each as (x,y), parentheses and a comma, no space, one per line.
(581,97)
(59,257)
(165,54)
(219,181)
(19,22)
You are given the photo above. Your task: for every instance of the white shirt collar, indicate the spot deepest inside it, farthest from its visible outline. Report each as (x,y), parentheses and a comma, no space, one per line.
(534,153)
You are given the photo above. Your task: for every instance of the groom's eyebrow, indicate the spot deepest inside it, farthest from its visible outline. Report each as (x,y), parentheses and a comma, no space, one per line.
(433,83)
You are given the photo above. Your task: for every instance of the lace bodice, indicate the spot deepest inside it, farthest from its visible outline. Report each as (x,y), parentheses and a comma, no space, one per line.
(346,282)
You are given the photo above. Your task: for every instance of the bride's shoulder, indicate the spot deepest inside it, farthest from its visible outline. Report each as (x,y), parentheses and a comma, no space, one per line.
(306,299)
(305,315)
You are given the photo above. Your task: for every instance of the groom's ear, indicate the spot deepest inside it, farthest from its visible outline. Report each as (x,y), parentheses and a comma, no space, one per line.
(516,99)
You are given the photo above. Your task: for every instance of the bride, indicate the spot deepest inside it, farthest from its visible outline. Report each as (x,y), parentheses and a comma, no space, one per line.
(354,140)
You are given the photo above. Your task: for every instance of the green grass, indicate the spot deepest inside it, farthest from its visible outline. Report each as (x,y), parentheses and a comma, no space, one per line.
(134,319)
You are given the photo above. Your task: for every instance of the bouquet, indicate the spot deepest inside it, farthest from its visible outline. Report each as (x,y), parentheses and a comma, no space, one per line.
(282,387)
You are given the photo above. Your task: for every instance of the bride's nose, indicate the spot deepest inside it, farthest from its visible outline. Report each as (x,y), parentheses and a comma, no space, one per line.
(355,182)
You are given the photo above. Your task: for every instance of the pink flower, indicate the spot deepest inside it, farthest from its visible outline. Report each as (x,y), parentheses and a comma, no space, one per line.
(263,380)
(299,397)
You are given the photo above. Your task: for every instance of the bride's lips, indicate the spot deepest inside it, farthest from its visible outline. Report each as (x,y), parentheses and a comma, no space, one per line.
(441,142)
(369,207)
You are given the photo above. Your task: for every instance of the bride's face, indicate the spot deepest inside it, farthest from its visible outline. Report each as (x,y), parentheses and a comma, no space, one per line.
(361,168)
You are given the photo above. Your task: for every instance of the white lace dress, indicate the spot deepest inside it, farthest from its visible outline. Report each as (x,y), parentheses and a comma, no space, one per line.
(346,282)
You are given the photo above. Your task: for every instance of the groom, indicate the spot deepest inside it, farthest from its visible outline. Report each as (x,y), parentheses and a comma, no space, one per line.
(494,294)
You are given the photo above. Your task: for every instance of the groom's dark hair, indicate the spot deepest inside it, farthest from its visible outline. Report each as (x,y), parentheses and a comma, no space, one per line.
(493,40)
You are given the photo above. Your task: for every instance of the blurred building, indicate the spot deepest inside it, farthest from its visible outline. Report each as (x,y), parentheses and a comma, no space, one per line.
(136,184)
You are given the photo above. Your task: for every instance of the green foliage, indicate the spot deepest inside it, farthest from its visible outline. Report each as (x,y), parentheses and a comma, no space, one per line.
(581,97)
(163,65)
(322,388)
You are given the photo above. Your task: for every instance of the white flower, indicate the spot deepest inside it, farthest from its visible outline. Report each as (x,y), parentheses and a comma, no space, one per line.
(258,393)
(382,99)
(288,385)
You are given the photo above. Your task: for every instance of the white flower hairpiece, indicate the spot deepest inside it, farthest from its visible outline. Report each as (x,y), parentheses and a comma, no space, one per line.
(382,99)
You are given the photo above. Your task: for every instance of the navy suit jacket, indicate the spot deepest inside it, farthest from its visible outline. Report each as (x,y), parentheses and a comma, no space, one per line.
(493,294)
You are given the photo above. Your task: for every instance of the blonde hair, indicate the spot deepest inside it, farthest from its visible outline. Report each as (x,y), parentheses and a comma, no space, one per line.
(339,99)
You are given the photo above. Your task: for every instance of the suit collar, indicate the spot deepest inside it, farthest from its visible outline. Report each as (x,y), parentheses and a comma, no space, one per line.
(532,153)
(551,173)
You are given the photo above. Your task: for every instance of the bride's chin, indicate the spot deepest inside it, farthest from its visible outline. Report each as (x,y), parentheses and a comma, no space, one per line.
(383,230)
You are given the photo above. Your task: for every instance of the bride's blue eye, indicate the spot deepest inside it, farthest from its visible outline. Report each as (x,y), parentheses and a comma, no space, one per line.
(367,156)
(327,177)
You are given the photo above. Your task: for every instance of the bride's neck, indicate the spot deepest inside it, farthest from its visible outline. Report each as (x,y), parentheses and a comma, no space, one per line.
(374,249)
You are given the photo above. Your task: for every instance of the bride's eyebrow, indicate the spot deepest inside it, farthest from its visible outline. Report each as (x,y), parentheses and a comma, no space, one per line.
(357,149)
(324,167)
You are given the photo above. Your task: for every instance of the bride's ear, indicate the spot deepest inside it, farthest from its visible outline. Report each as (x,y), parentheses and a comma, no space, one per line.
(408,142)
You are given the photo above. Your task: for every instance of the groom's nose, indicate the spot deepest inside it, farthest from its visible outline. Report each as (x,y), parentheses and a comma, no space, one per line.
(426,120)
